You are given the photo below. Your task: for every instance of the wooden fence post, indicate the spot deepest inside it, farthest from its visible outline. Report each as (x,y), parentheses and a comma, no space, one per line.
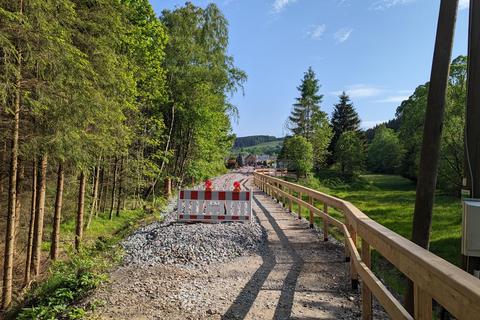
(299,206)
(312,221)
(366,293)
(290,201)
(325,223)
(353,271)
(422,304)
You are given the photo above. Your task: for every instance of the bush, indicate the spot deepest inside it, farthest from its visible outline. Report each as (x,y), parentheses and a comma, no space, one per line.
(69,281)
(299,154)
(385,153)
(349,153)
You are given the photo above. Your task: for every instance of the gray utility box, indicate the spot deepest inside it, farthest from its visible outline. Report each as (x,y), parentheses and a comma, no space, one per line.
(471,228)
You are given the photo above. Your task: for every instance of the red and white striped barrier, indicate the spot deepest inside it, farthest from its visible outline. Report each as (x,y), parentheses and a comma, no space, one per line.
(214,206)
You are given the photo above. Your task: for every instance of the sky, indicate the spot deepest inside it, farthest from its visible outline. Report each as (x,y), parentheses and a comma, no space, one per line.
(378,51)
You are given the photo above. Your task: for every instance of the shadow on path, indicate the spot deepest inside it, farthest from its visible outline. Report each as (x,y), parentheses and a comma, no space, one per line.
(244,301)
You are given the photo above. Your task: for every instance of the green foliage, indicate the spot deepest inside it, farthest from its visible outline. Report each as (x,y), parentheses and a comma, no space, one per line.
(72,279)
(350,153)
(306,111)
(69,281)
(309,122)
(411,115)
(385,152)
(250,141)
(299,154)
(390,200)
(270,148)
(321,138)
(200,76)
(344,118)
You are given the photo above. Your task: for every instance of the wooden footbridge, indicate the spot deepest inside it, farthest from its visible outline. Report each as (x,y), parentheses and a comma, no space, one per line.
(434,279)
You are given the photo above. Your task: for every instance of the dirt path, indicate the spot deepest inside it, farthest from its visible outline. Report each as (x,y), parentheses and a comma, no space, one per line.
(297,277)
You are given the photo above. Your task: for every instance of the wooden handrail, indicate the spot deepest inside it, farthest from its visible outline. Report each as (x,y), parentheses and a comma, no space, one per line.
(433,277)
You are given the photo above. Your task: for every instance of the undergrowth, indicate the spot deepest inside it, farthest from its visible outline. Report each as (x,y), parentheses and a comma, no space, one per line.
(72,279)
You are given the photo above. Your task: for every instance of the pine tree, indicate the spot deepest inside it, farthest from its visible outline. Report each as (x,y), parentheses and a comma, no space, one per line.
(344,119)
(305,111)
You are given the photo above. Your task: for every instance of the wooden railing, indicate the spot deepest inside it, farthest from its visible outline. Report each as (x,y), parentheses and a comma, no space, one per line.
(272,171)
(433,277)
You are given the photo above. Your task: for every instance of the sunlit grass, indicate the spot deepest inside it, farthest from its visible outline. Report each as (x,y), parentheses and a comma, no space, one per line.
(390,200)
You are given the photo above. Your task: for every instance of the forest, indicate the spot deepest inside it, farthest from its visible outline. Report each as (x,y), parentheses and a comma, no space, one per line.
(101,102)
(318,141)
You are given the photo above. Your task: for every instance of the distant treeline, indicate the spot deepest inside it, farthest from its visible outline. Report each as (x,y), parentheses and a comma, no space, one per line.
(244,142)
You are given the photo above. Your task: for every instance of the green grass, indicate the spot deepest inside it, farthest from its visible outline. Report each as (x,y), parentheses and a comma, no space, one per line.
(390,200)
(73,276)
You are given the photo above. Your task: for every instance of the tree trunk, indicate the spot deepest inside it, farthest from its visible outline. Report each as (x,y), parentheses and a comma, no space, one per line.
(113,188)
(4,170)
(80,207)
(106,186)
(18,202)
(432,132)
(39,216)
(93,208)
(120,185)
(12,193)
(33,208)
(58,213)
(100,191)
(165,152)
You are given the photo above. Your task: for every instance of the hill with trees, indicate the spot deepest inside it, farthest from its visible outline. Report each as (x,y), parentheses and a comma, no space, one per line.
(250,141)
(260,144)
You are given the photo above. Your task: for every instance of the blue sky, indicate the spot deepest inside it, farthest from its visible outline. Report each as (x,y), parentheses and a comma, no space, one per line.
(376,50)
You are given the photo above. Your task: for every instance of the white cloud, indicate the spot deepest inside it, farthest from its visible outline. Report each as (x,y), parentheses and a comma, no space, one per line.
(360,91)
(342,35)
(316,32)
(396,99)
(279,5)
(343,3)
(386,4)
(371,124)
(463,4)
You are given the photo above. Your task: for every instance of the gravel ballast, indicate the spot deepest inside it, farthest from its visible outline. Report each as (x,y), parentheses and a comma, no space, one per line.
(172,243)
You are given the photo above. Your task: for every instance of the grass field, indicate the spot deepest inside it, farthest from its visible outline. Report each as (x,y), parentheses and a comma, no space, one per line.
(270,147)
(389,200)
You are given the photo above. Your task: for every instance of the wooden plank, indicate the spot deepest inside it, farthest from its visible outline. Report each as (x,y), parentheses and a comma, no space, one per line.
(450,286)
(423,304)
(391,305)
(353,271)
(312,221)
(300,197)
(366,292)
(290,201)
(325,223)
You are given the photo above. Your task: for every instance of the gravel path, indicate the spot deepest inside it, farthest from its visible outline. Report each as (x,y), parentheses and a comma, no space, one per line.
(272,268)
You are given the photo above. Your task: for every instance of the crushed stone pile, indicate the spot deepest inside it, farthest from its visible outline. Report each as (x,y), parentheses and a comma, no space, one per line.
(169,242)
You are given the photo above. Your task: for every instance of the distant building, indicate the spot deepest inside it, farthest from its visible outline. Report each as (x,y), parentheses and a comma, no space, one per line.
(250,160)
